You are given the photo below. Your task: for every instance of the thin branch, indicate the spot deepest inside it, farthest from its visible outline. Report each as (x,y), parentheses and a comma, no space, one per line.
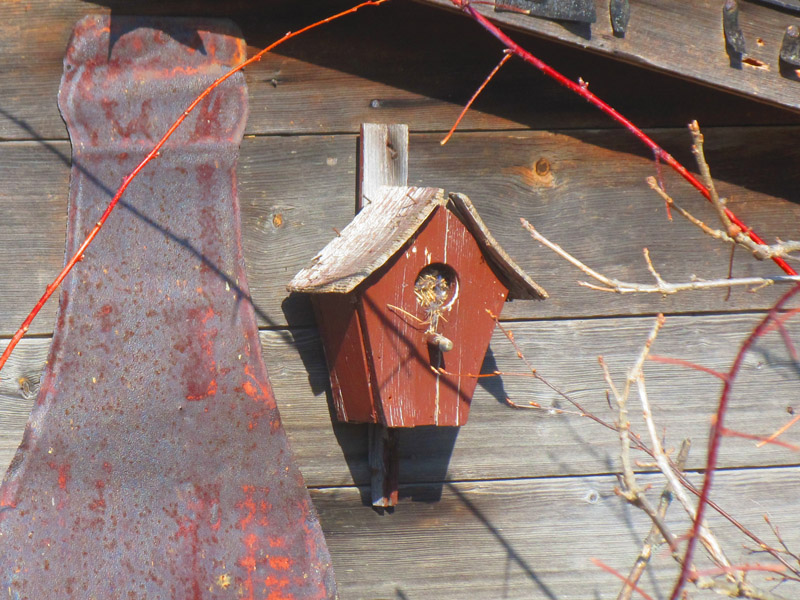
(758,438)
(781,430)
(705,172)
(506,56)
(716,434)
(660,287)
(582,90)
(654,536)
(618,575)
(709,540)
(667,360)
(78,256)
(738,589)
(760,251)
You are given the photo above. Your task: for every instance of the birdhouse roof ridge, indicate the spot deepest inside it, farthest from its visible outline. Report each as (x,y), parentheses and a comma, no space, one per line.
(381,229)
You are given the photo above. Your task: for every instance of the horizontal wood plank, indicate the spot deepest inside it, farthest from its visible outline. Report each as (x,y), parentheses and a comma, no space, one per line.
(500,442)
(534,538)
(387,64)
(297,191)
(683,38)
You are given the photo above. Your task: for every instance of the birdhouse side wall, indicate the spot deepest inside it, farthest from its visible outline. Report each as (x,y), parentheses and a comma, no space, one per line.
(399,328)
(340,328)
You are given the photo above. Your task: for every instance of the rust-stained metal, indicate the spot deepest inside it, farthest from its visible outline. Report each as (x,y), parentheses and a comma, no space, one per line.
(154,463)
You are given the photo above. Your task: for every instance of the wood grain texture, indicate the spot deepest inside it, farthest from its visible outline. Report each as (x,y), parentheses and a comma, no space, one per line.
(530,538)
(683,39)
(502,443)
(515,503)
(594,202)
(390,64)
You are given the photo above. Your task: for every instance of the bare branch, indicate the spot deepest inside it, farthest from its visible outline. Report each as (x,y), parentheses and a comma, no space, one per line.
(706,537)
(705,171)
(661,287)
(654,538)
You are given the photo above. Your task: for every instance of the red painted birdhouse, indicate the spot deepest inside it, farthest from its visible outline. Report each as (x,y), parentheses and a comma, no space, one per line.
(405,296)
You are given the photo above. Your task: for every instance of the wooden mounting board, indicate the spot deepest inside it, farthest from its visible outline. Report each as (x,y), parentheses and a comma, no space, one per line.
(684,39)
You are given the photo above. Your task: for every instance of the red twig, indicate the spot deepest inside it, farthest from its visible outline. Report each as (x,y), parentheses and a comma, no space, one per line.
(477,93)
(717,430)
(761,439)
(780,430)
(582,90)
(619,575)
(685,363)
(151,155)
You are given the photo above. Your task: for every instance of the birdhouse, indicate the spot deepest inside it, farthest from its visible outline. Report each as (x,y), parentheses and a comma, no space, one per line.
(405,296)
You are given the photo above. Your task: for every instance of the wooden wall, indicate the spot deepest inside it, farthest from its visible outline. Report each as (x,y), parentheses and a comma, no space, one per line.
(516,503)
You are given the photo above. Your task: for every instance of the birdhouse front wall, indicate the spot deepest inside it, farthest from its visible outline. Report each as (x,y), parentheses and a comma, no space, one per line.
(399,327)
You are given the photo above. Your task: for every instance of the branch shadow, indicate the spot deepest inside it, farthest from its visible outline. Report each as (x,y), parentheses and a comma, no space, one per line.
(513,556)
(184,243)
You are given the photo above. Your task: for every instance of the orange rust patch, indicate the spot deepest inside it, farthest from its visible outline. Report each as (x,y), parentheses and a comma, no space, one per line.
(63,473)
(249,505)
(280,562)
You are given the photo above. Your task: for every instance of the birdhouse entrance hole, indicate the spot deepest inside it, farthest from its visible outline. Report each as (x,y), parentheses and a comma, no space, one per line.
(436,287)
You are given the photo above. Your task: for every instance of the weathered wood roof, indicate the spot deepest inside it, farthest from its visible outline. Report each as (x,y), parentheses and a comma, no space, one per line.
(374,235)
(384,226)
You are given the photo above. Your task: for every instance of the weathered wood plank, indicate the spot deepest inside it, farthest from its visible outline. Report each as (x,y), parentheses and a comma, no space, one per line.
(499,442)
(593,201)
(532,538)
(685,39)
(390,64)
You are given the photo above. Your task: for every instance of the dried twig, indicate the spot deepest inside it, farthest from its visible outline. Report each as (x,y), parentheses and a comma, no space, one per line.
(709,540)
(705,172)
(660,287)
(636,377)
(580,88)
(654,537)
(636,442)
(732,235)
(717,432)
(506,56)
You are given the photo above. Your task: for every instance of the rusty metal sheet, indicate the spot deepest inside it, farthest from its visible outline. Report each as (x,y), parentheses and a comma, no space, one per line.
(154,463)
